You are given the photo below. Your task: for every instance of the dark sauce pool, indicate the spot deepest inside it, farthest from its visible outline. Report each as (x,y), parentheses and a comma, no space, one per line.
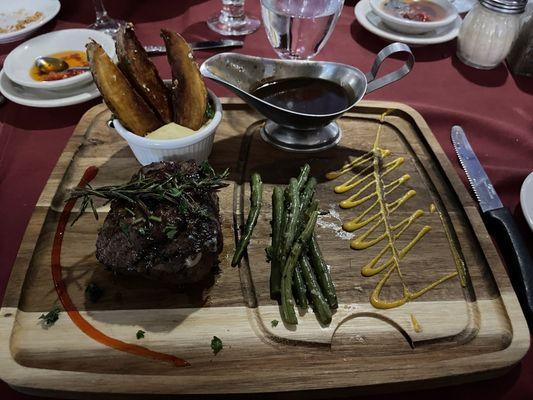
(305,95)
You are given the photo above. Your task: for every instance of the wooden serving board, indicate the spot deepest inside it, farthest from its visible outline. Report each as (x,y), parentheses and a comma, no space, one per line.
(465,331)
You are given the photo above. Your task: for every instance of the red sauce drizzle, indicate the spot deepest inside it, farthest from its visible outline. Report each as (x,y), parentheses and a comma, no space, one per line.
(71,309)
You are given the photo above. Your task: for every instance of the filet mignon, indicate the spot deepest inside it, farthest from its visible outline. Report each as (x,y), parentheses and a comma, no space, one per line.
(162,240)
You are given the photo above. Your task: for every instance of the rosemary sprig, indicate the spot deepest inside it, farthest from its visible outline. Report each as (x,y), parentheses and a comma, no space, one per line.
(174,188)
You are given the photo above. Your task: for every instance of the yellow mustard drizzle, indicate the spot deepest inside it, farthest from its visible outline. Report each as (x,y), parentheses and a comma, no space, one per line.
(377,215)
(416,325)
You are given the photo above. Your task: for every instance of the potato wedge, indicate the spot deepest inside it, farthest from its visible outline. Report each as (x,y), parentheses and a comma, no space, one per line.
(189,94)
(141,72)
(118,93)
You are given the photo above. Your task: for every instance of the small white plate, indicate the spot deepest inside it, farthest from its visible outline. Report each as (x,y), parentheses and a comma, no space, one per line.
(372,23)
(18,63)
(15,10)
(46,98)
(526,199)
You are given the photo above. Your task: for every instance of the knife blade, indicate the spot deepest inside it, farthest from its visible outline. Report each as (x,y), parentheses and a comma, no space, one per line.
(204,45)
(499,221)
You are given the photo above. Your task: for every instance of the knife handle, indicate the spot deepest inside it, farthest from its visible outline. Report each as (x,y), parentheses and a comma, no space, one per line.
(516,255)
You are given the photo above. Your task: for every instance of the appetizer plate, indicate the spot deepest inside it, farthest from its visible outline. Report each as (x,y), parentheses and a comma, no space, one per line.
(526,199)
(18,63)
(373,23)
(468,326)
(11,12)
(43,98)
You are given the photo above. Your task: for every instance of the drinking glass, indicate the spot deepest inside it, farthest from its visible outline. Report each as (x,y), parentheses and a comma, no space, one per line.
(298,29)
(103,21)
(232,20)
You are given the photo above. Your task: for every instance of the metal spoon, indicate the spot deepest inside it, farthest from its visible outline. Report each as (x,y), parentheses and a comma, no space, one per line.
(52,64)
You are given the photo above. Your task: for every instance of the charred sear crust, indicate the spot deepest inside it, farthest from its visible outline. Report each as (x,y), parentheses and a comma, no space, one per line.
(118,93)
(189,94)
(141,72)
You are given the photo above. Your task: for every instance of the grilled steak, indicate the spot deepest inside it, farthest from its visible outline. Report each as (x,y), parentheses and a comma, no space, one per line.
(175,241)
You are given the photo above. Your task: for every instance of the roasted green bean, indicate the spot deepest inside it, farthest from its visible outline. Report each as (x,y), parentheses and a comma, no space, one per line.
(287,305)
(299,288)
(253,215)
(302,178)
(320,305)
(275,262)
(322,272)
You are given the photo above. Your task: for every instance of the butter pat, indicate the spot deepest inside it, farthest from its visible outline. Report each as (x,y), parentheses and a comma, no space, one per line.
(170,131)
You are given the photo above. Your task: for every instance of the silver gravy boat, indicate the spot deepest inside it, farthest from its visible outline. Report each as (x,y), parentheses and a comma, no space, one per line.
(291,130)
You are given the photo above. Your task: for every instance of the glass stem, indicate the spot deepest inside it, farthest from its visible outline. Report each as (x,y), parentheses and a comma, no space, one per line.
(100,10)
(232,11)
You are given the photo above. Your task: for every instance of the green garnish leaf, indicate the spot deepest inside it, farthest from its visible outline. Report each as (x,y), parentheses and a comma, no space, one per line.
(171,231)
(274,323)
(209,112)
(154,218)
(216,345)
(94,292)
(51,316)
(140,334)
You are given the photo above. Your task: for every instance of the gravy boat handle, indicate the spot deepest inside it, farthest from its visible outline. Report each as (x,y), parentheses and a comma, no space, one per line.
(391,49)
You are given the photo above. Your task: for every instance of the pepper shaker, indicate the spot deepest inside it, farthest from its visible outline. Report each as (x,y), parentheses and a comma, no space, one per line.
(520,58)
(488,32)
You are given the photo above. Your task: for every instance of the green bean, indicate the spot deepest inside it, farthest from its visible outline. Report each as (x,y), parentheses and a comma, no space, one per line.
(290,230)
(287,306)
(275,263)
(304,174)
(322,272)
(307,194)
(299,288)
(320,305)
(253,215)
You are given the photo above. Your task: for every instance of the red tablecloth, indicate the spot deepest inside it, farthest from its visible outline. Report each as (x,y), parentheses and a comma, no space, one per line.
(494,107)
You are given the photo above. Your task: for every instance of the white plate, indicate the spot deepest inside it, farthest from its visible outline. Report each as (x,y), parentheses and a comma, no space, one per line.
(526,199)
(372,23)
(12,11)
(46,98)
(18,63)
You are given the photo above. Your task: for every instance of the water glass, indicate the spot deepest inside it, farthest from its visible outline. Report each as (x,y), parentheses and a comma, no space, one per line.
(298,29)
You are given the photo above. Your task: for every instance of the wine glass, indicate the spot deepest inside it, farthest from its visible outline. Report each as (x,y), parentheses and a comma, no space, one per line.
(298,29)
(103,21)
(232,20)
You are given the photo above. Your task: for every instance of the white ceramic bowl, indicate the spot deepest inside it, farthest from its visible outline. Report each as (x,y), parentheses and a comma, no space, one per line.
(195,147)
(404,25)
(13,11)
(18,63)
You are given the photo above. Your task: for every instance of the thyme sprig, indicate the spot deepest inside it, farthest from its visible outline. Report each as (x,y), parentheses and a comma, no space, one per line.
(175,188)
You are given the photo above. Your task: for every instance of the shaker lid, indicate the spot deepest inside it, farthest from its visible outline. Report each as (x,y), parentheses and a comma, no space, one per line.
(505,6)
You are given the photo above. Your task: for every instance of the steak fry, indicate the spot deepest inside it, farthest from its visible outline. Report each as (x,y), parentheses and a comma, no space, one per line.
(119,95)
(189,94)
(141,72)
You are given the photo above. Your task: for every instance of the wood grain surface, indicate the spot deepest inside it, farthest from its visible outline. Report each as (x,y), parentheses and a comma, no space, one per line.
(465,332)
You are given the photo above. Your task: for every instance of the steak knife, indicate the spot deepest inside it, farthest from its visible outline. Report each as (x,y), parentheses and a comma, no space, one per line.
(499,222)
(208,44)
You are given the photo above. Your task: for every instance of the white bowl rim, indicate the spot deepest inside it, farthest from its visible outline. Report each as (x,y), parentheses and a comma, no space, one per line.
(62,83)
(200,134)
(374,4)
(5,37)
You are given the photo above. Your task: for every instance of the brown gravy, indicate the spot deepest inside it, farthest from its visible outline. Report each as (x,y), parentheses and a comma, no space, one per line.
(305,95)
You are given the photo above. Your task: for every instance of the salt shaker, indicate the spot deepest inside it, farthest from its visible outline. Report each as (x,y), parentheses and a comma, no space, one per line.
(488,32)
(520,58)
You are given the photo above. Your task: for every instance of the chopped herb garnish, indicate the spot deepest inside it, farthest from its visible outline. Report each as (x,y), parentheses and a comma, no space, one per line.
(51,317)
(94,292)
(216,345)
(140,334)
(274,323)
(137,220)
(141,231)
(171,231)
(154,218)
(130,211)
(209,112)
